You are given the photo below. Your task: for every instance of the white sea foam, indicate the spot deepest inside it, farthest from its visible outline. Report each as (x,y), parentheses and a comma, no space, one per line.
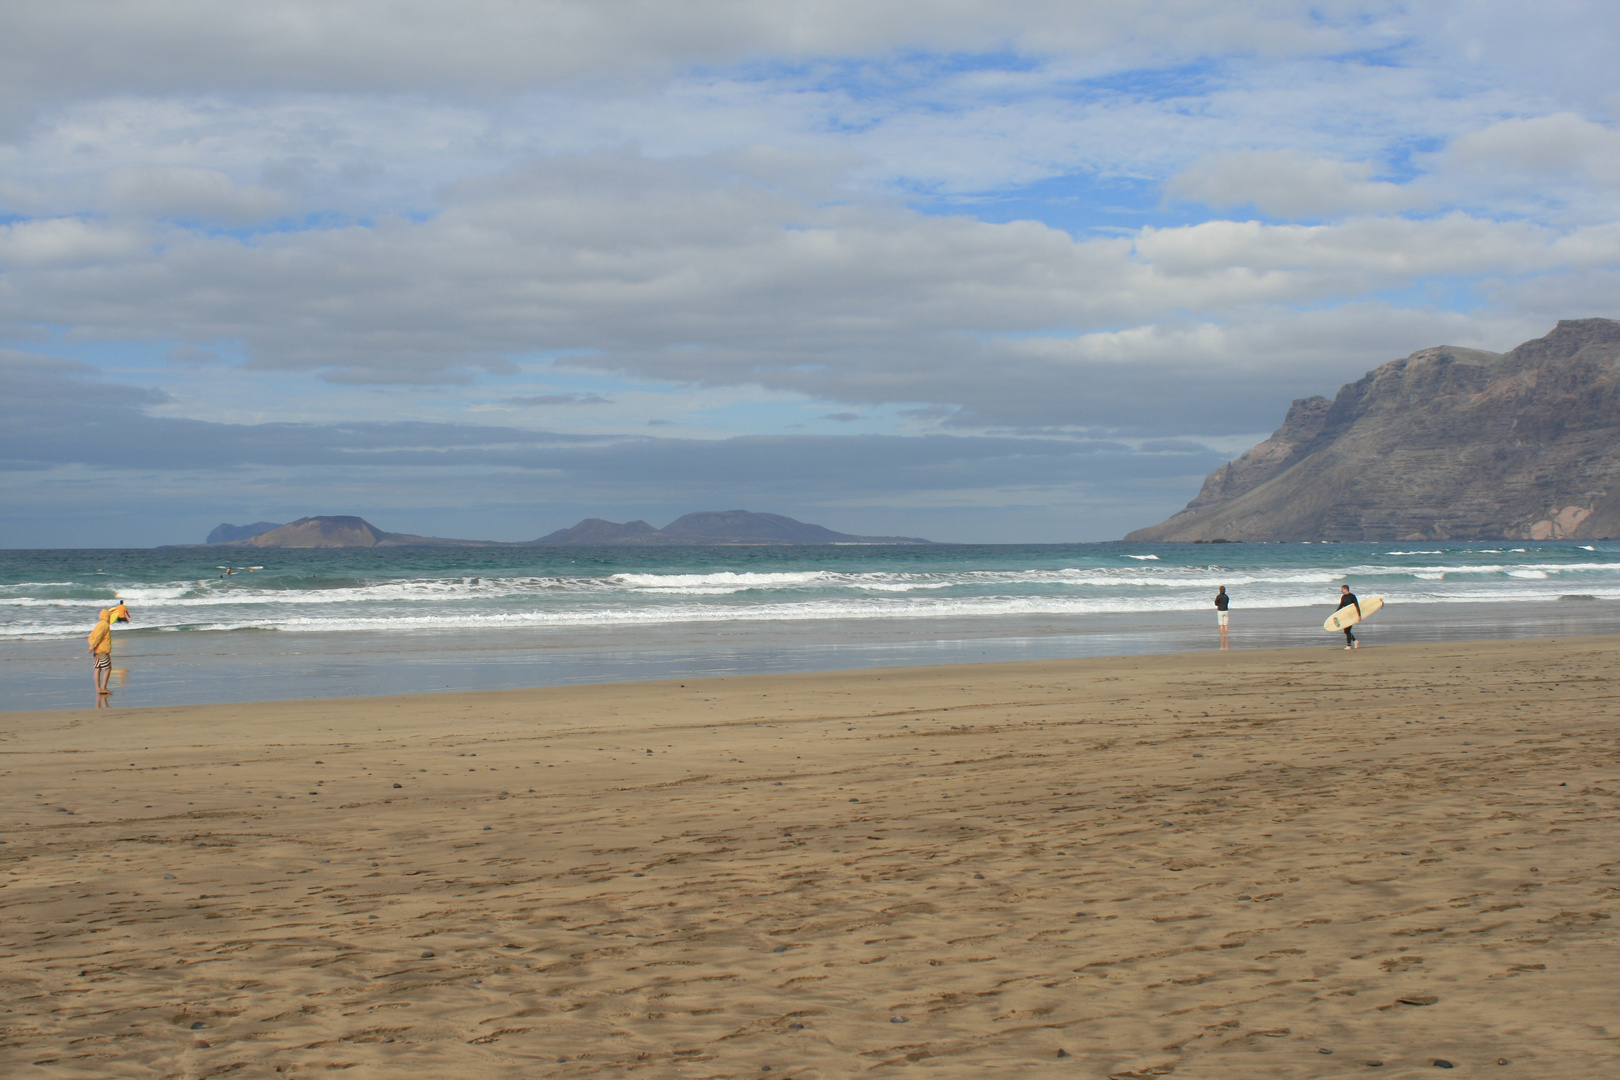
(353,594)
(137,593)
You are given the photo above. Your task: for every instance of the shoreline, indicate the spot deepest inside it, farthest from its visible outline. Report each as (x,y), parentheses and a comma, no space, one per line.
(154,669)
(1214,659)
(1225,863)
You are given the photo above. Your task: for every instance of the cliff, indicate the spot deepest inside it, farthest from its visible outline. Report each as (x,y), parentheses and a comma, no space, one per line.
(1447,444)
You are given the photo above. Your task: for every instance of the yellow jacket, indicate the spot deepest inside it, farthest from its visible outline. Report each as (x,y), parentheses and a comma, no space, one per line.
(101,636)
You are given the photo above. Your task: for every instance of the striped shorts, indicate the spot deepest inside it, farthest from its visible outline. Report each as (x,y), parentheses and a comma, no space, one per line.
(103,661)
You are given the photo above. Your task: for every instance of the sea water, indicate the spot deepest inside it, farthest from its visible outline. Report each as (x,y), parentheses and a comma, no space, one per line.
(247,624)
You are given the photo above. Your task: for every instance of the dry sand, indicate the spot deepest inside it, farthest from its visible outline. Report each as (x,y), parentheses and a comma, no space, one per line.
(1211,865)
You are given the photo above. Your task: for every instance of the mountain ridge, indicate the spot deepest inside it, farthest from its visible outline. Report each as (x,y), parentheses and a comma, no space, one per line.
(1445,444)
(714,527)
(225,532)
(708,527)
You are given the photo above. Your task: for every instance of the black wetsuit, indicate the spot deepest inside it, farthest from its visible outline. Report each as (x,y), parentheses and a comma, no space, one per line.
(1345,601)
(1221,600)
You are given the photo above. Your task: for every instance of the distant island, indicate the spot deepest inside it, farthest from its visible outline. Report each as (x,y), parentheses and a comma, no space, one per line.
(714,527)
(224,534)
(709,528)
(1447,444)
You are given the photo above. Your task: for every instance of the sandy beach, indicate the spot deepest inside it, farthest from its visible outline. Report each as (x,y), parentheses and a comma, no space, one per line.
(1278,863)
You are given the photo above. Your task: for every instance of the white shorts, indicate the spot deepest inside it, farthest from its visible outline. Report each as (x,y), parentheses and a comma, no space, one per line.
(1220,618)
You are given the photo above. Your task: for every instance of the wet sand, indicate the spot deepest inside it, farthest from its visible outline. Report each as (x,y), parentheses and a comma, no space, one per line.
(1207,865)
(156,667)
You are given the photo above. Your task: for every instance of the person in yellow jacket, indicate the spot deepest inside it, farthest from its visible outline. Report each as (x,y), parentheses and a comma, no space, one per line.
(101,649)
(101,644)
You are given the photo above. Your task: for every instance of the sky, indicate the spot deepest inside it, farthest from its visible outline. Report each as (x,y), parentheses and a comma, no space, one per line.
(974,270)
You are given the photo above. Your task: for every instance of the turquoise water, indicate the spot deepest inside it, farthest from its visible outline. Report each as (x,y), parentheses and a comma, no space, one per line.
(531,616)
(52,594)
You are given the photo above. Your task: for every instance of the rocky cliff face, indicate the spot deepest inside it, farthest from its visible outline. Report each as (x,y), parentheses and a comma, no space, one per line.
(1447,444)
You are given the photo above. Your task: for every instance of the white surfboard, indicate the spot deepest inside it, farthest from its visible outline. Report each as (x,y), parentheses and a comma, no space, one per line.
(1346,616)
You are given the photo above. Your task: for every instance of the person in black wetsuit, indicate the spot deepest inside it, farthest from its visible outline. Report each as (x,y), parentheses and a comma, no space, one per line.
(1346,598)
(1221,601)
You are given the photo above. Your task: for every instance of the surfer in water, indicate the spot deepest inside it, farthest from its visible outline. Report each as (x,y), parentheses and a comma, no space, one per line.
(1347,598)
(1221,601)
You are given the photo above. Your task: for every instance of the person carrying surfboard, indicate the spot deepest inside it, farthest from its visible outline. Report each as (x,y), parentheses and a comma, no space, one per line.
(1346,598)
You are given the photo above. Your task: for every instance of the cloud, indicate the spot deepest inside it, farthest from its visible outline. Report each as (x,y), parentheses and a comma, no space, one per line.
(1252,260)
(681,273)
(191,354)
(481,45)
(962,220)
(189,194)
(1563,145)
(542,400)
(1287,184)
(60,414)
(65,242)
(66,436)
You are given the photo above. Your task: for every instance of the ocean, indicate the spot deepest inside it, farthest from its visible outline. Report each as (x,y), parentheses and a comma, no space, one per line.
(340,622)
